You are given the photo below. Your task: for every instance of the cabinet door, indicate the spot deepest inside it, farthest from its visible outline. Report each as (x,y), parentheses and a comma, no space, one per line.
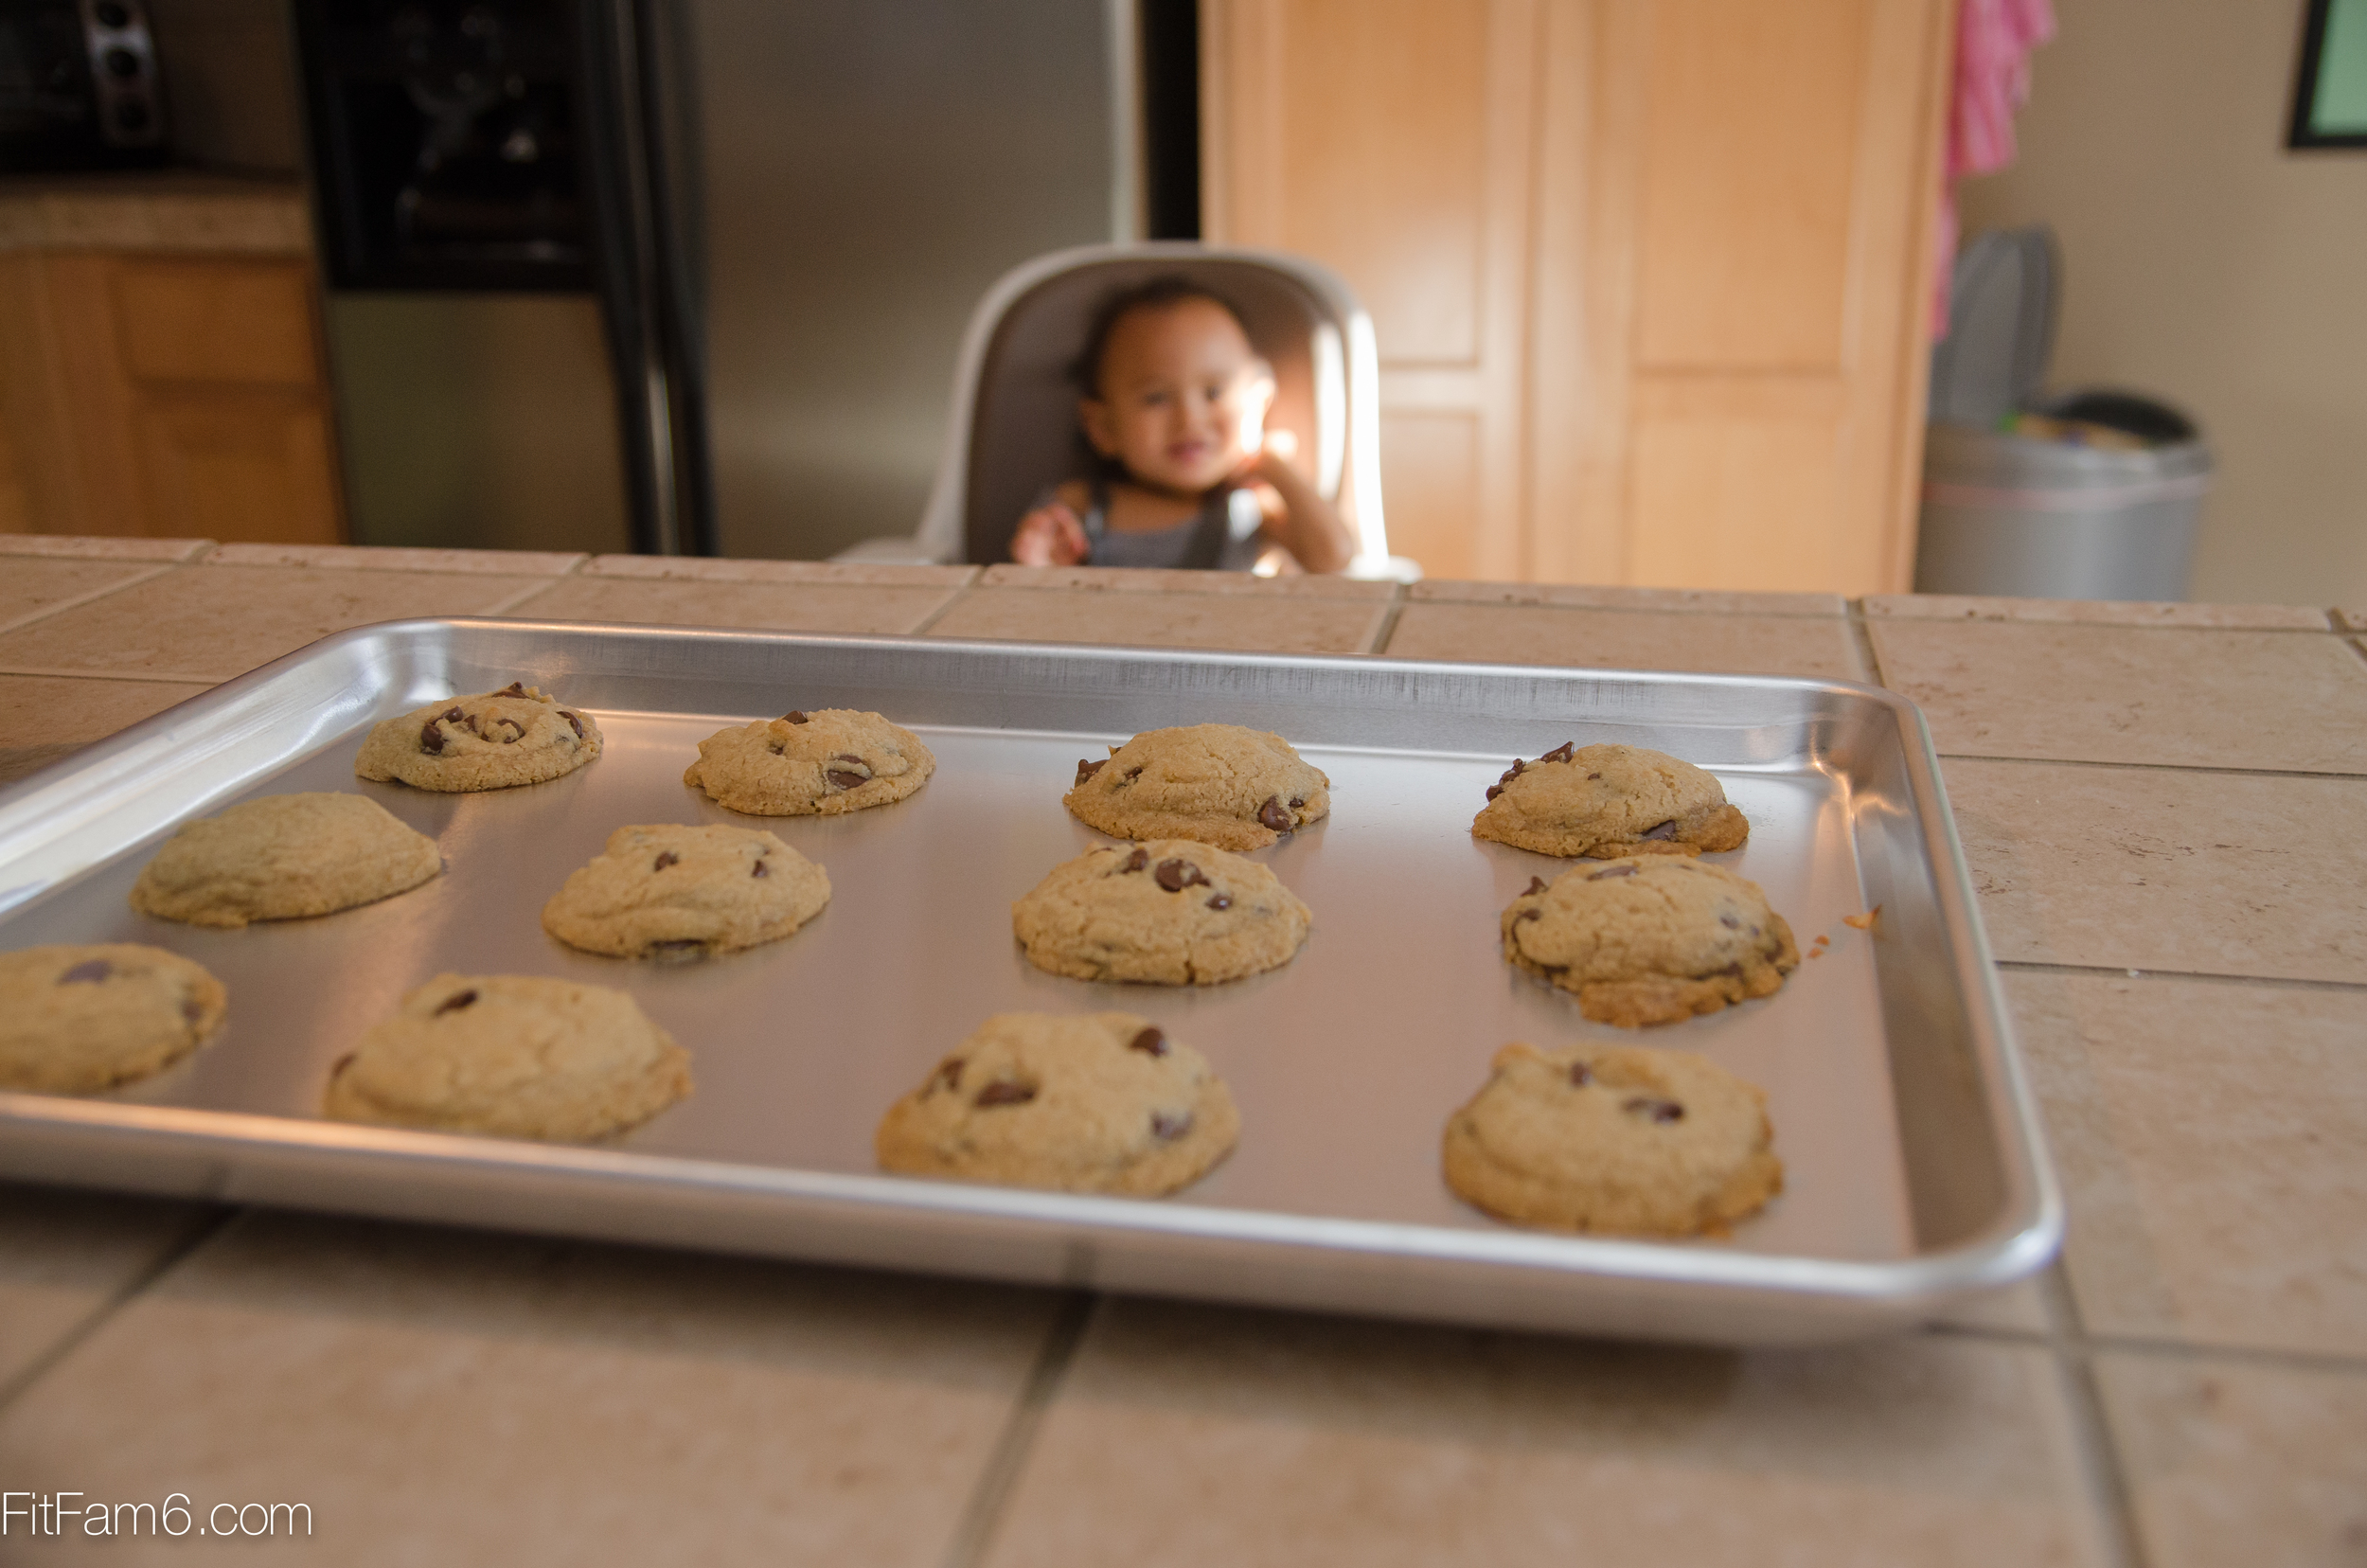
(1648,277)
(1390,140)
(172,397)
(238,465)
(1743,297)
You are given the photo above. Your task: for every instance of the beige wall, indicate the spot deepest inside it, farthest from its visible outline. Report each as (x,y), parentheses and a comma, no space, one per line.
(2206,265)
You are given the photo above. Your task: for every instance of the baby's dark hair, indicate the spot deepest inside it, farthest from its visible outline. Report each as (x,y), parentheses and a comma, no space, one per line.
(1151,295)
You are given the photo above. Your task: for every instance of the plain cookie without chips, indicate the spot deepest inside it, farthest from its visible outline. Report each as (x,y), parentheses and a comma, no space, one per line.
(686,892)
(284,858)
(1650,940)
(811,764)
(1609,801)
(74,1020)
(494,740)
(512,1056)
(1173,912)
(1221,784)
(1616,1142)
(1103,1102)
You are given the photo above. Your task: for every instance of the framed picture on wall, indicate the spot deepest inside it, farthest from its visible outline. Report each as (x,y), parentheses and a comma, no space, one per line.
(2330,89)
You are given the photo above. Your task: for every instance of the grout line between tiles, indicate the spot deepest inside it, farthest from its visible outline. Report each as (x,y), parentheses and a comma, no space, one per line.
(203,1229)
(988,1499)
(1639,609)
(170,677)
(157,570)
(1864,634)
(2027,966)
(1386,626)
(2106,626)
(2107,1479)
(503,607)
(2324,1363)
(2152,767)
(961,591)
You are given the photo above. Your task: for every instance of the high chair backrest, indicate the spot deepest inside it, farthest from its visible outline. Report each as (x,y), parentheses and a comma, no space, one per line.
(1013,426)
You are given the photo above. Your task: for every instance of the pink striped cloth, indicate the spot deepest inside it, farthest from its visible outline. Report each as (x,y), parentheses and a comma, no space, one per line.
(1993,42)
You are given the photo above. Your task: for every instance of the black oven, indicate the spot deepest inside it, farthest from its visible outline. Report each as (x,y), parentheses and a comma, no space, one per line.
(79,85)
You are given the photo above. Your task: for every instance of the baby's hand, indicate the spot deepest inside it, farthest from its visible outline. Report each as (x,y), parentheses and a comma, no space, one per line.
(1050,536)
(1278,451)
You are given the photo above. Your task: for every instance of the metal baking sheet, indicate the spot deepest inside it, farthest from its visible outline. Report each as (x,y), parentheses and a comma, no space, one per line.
(1914,1172)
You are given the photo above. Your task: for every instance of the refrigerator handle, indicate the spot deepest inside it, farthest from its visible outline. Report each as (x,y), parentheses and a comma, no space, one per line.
(639,267)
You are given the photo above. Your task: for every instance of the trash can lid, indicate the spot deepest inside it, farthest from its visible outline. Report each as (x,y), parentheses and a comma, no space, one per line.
(2001,327)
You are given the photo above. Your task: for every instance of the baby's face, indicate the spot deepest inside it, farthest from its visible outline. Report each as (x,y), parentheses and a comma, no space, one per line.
(1184,398)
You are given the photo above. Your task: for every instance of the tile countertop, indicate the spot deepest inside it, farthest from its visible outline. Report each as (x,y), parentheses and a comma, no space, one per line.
(161,211)
(2165,811)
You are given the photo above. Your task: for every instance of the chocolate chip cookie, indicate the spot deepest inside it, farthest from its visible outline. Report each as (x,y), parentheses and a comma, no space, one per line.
(77,1019)
(283,858)
(1105,1102)
(668,892)
(1650,940)
(494,740)
(512,1056)
(1609,801)
(1221,784)
(811,764)
(1618,1142)
(1170,912)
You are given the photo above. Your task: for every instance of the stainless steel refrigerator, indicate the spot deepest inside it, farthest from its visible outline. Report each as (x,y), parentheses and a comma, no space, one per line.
(719,307)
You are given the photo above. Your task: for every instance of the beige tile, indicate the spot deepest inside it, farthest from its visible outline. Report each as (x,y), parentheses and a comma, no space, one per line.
(1575,596)
(34,586)
(65,1256)
(2354,620)
(1138,580)
(2208,1135)
(455,1398)
(2229,1463)
(2206,873)
(2122,694)
(103,547)
(358,557)
(2264,617)
(44,718)
(1186,1435)
(754,606)
(1271,623)
(1627,639)
(706,569)
(208,622)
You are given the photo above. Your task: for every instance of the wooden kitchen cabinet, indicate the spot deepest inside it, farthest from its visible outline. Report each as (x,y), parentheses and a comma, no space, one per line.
(1650,277)
(170,396)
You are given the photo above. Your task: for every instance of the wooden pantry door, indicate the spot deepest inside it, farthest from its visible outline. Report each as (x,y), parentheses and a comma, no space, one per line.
(1648,277)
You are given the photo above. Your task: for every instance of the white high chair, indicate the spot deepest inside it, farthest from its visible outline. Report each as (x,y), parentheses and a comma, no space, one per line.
(1012,430)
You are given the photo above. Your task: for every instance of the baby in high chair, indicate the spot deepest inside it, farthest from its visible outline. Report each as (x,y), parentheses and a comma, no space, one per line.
(1174,405)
